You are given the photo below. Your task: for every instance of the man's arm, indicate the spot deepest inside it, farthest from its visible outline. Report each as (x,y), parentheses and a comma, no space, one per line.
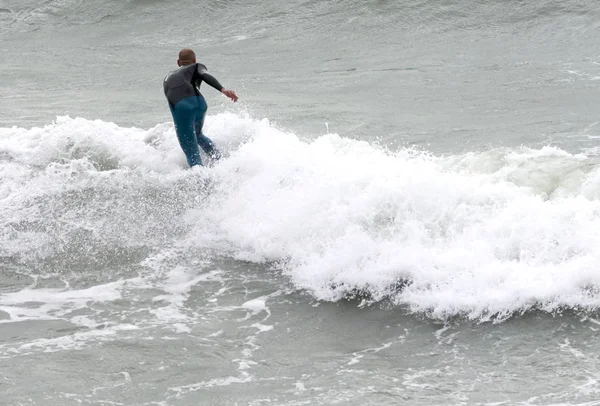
(212,81)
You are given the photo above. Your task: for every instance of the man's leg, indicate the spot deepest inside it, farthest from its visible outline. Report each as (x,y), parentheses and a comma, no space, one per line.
(184,127)
(203,141)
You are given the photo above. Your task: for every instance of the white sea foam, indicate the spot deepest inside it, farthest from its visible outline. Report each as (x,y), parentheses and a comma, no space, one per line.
(484,235)
(52,304)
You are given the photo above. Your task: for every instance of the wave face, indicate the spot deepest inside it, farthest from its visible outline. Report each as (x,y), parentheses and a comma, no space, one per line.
(447,13)
(480,235)
(444,75)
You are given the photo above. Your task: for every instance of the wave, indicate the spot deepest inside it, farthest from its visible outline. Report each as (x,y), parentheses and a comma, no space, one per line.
(439,16)
(481,235)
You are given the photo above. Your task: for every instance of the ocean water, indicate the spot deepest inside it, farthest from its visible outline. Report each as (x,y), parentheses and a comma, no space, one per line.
(407,212)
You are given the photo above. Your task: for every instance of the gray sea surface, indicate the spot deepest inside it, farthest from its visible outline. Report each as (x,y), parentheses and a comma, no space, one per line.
(407,211)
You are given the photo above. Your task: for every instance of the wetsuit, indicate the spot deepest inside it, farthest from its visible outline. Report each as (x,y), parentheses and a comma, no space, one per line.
(188,107)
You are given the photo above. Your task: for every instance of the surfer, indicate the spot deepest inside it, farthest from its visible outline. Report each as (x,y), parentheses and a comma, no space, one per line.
(188,107)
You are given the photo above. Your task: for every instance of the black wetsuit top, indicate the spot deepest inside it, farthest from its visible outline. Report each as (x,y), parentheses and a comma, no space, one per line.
(185,82)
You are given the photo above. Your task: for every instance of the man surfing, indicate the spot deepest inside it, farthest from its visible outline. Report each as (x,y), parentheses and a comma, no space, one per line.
(188,107)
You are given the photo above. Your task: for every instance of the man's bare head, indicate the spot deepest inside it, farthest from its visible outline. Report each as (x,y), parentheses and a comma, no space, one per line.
(186,57)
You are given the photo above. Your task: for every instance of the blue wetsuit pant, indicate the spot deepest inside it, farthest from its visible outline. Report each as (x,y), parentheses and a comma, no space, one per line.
(188,115)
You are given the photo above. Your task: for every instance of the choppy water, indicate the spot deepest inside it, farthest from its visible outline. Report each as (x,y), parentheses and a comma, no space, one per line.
(408,211)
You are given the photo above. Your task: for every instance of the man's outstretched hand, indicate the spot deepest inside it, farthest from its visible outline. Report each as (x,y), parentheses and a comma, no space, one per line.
(231,94)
